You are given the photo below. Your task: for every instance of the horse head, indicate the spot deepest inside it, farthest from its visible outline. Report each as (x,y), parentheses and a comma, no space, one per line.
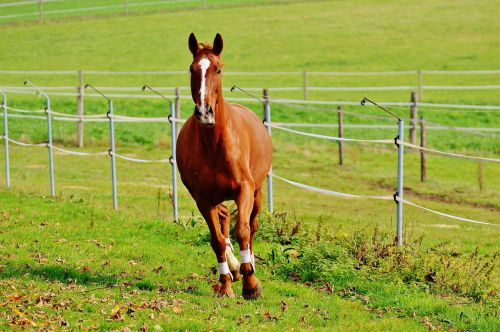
(206,85)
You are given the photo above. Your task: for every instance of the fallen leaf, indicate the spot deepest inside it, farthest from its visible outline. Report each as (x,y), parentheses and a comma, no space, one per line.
(177,309)
(327,288)
(131,312)
(116,314)
(284,306)
(268,316)
(157,269)
(60,260)
(427,323)
(15,297)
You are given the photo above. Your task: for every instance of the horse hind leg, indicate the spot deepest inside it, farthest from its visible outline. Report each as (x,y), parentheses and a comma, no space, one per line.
(218,242)
(225,224)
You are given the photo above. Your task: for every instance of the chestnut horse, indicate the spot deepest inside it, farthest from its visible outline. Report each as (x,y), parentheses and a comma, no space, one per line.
(224,153)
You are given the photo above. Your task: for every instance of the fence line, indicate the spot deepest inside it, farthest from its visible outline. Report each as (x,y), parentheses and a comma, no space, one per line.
(287,102)
(330,192)
(22,143)
(381,126)
(387,198)
(456,155)
(123,118)
(283,89)
(399,141)
(262,73)
(444,214)
(22,3)
(23,111)
(42,12)
(136,160)
(461,72)
(331,138)
(79,153)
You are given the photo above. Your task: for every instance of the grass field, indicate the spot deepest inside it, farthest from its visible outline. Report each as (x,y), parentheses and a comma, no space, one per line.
(70,262)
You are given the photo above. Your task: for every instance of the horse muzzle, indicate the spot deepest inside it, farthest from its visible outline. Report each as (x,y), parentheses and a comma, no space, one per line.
(205,115)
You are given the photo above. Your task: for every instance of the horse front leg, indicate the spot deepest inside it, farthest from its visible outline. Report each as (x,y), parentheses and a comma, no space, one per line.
(245,203)
(225,225)
(254,223)
(218,242)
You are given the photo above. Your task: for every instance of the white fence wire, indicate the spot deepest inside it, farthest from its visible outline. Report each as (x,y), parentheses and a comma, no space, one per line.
(172,120)
(386,198)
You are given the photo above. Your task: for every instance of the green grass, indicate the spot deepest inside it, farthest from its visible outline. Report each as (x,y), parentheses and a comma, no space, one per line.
(75,247)
(365,36)
(65,261)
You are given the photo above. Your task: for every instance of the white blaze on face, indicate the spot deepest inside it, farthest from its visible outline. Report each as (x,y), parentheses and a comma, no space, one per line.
(204,64)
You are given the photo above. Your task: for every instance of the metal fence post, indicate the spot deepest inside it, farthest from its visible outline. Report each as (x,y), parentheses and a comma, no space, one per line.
(177,108)
(399,192)
(413,118)
(420,75)
(173,158)
(112,153)
(423,143)
(6,141)
(79,111)
(125,7)
(305,84)
(49,145)
(341,134)
(267,117)
(40,10)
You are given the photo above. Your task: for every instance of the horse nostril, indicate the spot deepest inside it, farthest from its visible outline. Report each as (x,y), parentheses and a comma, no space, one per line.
(197,111)
(210,110)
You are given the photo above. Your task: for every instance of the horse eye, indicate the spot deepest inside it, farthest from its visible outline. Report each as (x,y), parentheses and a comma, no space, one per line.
(218,71)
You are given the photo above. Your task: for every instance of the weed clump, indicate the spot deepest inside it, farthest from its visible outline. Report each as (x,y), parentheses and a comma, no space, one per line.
(324,256)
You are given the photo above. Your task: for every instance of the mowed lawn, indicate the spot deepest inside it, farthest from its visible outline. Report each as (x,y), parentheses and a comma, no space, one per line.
(71,262)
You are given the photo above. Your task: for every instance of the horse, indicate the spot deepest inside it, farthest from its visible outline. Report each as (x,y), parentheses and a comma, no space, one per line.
(224,153)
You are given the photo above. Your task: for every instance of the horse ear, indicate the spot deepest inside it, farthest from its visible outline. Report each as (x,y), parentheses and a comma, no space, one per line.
(193,44)
(218,44)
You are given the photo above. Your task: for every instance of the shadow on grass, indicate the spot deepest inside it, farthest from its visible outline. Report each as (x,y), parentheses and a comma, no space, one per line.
(69,275)
(58,273)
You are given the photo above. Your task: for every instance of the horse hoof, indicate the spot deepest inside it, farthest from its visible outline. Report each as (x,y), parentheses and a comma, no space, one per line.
(253,293)
(236,275)
(228,292)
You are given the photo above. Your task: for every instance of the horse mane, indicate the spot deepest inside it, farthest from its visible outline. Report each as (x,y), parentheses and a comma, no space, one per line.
(205,46)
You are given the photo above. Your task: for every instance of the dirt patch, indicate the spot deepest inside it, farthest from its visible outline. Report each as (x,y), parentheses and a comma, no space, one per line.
(444,226)
(76,187)
(439,197)
(35,166)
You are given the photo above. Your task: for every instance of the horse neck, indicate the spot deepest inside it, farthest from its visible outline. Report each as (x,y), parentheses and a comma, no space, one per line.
(213,137)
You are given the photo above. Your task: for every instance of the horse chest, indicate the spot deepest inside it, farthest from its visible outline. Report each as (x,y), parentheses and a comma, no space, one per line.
(215,176)
(218,172)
